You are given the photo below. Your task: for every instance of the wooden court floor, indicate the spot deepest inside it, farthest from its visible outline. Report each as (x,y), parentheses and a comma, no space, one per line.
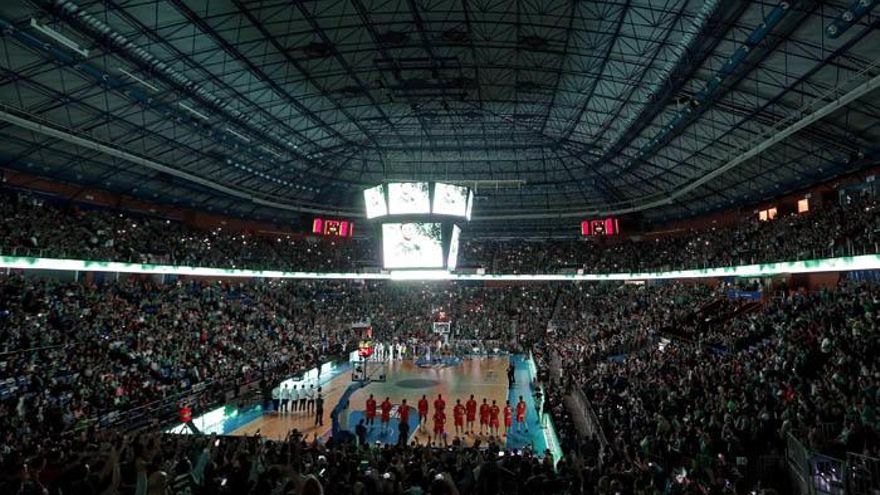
(482,377)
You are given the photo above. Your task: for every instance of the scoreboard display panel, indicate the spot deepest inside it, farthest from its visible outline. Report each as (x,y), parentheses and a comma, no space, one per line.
(600,227)
(332,227)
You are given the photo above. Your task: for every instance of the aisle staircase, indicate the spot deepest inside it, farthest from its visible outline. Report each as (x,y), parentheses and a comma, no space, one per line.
(716,312)
(557,308)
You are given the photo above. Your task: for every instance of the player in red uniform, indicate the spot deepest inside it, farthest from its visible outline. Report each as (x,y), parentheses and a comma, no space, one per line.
(458,413)
(440,404)
(494,422)
(403,411)
(508,418)
(371,411)
(386,413)
(440,425)
(521,415)
(471,408)
(484,416)
(423,412)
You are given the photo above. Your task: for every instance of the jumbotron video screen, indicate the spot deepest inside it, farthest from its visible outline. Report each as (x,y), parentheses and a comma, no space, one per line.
(374,198)
(450,200)
(408,198)
(412,245)
(452,261)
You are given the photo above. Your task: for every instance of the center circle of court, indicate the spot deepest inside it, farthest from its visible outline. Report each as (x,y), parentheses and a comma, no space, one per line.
(417,383)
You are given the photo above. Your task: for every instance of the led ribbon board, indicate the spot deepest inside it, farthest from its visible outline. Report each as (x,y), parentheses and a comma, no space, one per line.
(848,263)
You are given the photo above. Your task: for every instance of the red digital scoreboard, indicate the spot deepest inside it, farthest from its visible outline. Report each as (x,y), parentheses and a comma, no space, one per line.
(603,227)
(332,227)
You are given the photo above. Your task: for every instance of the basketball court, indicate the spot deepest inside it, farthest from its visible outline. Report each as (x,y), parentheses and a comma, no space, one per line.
(482,377)
(455,372)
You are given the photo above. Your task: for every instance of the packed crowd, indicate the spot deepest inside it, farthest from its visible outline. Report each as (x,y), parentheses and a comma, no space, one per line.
(833,230)
(72,352)
(106,463)
(407,310)
(686,415)
(690,387)
(75,351)
(34,226)
(589,317)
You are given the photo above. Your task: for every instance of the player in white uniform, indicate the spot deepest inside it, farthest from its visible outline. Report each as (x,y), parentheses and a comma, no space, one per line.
(302,398)
(294,397)
(276,399)
(311,401)
(285,398)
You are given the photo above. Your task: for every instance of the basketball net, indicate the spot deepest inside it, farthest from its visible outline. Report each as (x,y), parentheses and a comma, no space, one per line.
(442,329)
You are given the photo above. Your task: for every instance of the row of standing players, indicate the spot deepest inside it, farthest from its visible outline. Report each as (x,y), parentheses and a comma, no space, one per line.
(464,415)
(307,400)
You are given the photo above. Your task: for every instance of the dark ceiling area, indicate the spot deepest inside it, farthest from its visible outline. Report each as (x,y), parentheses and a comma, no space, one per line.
(551,110)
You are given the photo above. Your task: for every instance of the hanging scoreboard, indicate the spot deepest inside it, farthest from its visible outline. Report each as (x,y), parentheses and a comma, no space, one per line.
(601,227)
(419,222)
(332,227)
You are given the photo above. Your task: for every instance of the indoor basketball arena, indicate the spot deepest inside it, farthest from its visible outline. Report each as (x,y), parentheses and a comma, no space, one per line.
(446,247)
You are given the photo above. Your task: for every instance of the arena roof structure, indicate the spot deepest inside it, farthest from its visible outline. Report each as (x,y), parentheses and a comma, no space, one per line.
(549,109)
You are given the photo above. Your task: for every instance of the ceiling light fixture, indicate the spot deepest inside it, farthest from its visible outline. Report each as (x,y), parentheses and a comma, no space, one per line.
(193,111)
(135,78)
(60,38)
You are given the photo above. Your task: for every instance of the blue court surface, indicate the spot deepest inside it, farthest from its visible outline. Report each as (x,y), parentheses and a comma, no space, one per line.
(538,439)
(376,434)
(534,438)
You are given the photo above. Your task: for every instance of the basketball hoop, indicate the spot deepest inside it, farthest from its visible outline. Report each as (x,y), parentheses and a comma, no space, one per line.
(442,329)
